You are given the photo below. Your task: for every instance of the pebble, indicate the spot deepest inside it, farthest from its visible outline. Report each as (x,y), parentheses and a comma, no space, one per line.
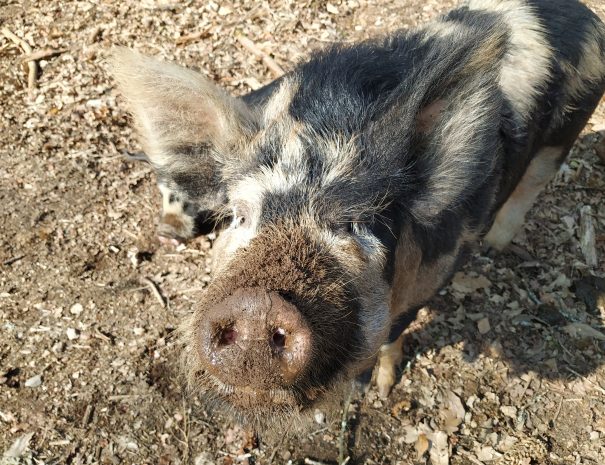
(509,410)
(76,309)
(58,347)
(483,326)
(205,458)
(71,334)
(34,381)
(320,417)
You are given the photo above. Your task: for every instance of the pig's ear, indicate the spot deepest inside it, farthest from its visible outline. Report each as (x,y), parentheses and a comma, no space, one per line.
(445,143)
(429,115)
(459,135)
(177,111)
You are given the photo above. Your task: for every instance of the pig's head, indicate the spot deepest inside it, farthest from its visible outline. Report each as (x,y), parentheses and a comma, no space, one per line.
(319,181)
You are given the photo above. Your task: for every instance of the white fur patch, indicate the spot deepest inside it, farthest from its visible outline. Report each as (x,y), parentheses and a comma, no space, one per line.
(444,29)
(278,104)
(455,143)
(526,67)
(168,207)
(511,215)
(230,240)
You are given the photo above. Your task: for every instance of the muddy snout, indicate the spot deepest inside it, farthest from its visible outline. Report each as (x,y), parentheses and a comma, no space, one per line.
(255,339)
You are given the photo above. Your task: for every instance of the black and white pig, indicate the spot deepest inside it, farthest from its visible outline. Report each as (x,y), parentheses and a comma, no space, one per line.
(356,184)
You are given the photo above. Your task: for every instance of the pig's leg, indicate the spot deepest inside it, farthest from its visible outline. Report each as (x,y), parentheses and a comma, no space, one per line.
(389,359)
(391,354)
(511,215)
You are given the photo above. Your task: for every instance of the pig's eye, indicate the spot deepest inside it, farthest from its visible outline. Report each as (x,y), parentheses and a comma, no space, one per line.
(241,217)
(347,227)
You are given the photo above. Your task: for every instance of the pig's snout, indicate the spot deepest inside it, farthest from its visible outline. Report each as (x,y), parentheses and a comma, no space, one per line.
(174,229)
(255,340)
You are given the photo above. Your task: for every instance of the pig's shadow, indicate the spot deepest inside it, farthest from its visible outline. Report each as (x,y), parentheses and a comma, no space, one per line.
(536,336)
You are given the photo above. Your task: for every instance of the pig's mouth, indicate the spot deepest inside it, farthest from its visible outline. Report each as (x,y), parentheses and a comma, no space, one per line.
(265,410)
(266,401)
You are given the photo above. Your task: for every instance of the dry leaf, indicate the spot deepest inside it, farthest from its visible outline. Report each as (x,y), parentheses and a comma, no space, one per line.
(410,434)
(332,9)
(439,451)
(421,446)
(487,453)
(509,410)
(466,284)
(581,330)
(18,447)
(587,236)
(453,414)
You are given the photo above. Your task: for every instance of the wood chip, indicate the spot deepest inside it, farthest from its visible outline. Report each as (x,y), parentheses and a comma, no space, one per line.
(439,451)
(43,54)
(587,236)
(31,64)
(581,330)
(185,39)
(266,59)
(421,446)
(18,447)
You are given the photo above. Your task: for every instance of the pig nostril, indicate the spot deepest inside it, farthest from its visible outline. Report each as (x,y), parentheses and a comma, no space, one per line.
(227,337)
(279,339)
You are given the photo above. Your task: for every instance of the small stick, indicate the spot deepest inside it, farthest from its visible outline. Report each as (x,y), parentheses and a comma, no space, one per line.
(127,397)
(191,37)
(94,34)
(43,54)
(343,427)
(32,65)
(267,60)
(556,417)
(12,260)
(87,415)
(281,441)
(309,461)
(153,287)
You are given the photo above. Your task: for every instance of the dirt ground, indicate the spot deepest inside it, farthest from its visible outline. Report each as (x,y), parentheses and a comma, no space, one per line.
(506,366)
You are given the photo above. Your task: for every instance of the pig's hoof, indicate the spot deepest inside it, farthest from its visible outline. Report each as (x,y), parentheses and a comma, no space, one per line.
(171,241)
(499,236)
(385,380)
(488,251)
(389,360)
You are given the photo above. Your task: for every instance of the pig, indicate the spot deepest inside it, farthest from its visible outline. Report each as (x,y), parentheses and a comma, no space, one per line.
(357,184)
